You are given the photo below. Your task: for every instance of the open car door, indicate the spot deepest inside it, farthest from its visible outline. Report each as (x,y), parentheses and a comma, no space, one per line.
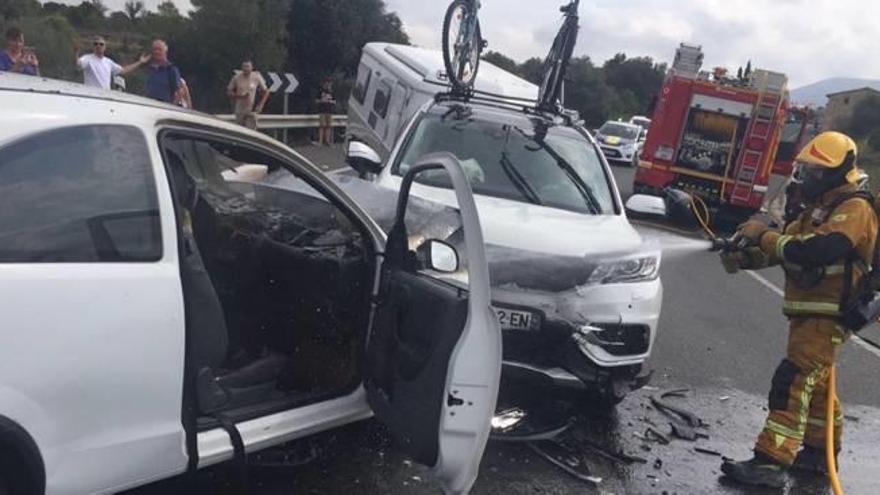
(433,359)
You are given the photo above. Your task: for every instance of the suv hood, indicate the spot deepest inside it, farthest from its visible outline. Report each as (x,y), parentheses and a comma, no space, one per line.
(549,231)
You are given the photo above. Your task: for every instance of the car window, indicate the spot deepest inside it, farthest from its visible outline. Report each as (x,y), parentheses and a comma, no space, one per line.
(79,194)
(362,86)
(555,167)
(619,130)
(382,98)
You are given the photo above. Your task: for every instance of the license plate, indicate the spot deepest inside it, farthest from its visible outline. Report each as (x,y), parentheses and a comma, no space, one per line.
(511,319)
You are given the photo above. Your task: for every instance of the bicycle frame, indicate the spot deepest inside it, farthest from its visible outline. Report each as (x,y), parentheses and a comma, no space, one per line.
(556,63)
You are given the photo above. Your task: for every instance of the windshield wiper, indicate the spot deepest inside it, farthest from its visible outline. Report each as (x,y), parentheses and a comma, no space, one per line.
(583,188)
(518,180)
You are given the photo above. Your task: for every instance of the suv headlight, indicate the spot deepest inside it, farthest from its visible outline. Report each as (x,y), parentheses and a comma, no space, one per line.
(640,269)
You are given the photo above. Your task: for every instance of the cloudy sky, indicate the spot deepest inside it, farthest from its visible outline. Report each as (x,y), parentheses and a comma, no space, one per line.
(808,39)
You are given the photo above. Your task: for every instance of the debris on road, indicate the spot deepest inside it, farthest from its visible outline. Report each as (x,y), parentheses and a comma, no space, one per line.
(652,433)
(675,411)
(707,451)
(724,398)
(564,459)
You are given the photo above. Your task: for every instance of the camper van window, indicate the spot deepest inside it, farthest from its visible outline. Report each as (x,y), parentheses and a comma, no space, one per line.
(382,98)
(363,83)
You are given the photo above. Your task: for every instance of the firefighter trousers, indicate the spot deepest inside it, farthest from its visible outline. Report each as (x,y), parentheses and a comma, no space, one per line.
(799,391)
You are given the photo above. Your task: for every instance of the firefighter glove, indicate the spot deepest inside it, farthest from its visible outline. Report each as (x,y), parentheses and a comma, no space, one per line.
(753,230)
(732,260)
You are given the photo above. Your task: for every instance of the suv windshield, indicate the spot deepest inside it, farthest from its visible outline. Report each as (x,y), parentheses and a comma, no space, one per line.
(522,160)
(619,130)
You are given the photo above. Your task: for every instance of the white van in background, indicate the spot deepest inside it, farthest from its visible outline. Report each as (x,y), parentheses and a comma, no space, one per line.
(395,81)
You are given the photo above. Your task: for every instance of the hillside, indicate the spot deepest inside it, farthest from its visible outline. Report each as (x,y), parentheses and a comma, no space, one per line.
(814,94)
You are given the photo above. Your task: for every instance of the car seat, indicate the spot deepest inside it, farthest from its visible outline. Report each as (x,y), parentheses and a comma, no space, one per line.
(219,385)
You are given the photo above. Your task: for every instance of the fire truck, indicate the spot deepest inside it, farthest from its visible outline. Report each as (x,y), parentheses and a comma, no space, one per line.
(715,136)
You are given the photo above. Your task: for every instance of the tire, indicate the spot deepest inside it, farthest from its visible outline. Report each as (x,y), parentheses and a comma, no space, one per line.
(555,67)
(21,467)
(460,8)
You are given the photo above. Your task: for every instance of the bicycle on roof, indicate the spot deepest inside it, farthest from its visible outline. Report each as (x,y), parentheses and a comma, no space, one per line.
(462,44)
(556,63)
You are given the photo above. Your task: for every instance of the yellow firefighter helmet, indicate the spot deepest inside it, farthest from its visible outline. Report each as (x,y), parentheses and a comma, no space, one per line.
(832,150)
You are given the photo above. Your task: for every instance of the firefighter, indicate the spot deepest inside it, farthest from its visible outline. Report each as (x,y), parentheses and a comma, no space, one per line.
(825,249)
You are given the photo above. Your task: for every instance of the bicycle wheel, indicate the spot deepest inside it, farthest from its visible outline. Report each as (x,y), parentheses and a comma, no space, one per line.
(461,44)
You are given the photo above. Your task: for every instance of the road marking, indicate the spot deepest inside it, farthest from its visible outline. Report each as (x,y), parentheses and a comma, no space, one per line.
(766,283)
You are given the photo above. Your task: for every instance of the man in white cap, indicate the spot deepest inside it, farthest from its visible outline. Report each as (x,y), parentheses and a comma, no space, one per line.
(99,70)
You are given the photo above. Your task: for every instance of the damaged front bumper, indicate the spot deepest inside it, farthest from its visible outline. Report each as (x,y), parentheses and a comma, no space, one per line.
(588,337)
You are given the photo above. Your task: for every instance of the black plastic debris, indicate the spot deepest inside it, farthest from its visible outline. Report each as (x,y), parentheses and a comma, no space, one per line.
(652,433)
(565,459)
(707,451)
(674,411)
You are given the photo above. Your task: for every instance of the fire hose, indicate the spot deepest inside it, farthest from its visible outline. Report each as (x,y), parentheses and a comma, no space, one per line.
(736,242)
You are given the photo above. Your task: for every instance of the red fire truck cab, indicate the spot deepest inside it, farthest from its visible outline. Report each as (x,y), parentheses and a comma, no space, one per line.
(715,137)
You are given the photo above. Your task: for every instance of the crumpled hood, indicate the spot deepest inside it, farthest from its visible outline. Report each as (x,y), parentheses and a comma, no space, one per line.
(549,231)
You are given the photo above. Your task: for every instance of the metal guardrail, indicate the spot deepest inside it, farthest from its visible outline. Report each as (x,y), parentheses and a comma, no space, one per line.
(280,122)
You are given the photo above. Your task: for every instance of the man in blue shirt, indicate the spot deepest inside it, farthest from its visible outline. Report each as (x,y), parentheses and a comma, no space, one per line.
(17,57)
(163,81)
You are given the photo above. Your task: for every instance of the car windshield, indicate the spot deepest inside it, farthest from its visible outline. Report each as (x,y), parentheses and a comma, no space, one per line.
(619,130)
(522,161)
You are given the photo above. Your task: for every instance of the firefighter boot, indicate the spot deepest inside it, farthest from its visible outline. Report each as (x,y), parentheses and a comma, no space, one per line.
(812,460)
(761,470)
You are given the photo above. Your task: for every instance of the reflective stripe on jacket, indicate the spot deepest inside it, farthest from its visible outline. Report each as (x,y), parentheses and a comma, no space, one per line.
(817,291)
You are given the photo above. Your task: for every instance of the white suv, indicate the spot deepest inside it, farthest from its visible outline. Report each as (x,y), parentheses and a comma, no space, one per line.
(163,312)
(577,294)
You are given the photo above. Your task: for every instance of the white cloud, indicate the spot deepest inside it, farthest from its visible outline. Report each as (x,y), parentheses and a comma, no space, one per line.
(809,40)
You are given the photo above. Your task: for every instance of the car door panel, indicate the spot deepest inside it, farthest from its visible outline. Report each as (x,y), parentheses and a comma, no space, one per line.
(434,353)
(418,323)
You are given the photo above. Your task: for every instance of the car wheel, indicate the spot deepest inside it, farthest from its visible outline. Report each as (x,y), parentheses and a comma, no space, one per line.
(5,488)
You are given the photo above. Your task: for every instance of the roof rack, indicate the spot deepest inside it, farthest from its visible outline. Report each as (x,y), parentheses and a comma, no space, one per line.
(525,105)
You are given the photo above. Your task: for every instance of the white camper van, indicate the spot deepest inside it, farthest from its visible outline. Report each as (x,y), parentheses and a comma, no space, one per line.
(395,81)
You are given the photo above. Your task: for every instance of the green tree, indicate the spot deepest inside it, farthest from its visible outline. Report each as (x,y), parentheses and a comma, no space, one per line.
(327,37)
(636,82)
(532,70)
(11,10)
(168,9)
(219,34)
(501,61)
(134,9)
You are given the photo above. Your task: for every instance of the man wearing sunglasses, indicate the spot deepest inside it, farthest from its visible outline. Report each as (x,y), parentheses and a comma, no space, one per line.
(826,248)
(99,70)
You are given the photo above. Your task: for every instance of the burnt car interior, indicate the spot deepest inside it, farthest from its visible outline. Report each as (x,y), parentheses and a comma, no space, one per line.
(277,284)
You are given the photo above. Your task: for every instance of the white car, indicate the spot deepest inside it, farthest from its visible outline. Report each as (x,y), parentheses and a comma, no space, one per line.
(164,311)
(577,295)
(620,142)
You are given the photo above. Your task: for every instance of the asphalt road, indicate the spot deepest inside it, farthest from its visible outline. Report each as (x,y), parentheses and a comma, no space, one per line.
(720,336)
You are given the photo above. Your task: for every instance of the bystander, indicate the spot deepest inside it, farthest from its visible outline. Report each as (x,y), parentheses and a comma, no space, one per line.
(99,70)
(163,81)
(242,90)
(17,57)
(326,104)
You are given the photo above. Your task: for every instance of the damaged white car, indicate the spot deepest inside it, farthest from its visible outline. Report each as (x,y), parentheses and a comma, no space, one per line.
(576,291)
(164,311)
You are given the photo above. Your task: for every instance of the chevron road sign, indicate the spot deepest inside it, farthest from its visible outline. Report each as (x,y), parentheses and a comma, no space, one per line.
(279,81)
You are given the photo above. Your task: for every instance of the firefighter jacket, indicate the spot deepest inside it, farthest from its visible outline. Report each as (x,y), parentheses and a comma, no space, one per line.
(825,252)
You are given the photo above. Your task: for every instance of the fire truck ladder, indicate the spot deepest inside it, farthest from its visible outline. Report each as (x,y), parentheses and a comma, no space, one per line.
(771,87)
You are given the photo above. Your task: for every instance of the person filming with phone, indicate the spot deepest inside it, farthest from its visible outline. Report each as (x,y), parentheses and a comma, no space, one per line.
(17,57)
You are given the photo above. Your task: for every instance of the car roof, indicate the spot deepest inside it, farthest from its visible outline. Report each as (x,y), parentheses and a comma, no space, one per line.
(30,84)
(622,124)
(73,99)
(427,64)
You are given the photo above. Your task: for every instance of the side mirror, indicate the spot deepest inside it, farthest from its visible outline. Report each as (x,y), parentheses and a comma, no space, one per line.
(676,207)
(363,159)
(439,256)
(644,205)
